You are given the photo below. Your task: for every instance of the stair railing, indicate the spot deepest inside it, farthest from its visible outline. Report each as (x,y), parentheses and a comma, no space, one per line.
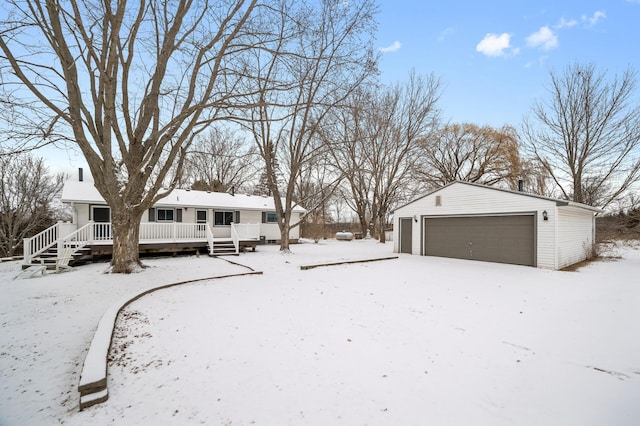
(235,238)
(40,242)
(85,235)
(209,238)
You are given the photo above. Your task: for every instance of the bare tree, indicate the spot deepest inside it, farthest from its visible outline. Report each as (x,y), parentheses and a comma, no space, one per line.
(26,193)
(325,53)
(220,161)
(131,84)
(587,134)
(470,153)
(347,144)
(379,148)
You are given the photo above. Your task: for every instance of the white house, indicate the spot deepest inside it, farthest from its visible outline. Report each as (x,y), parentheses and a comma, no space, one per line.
(471,221)
(214,222)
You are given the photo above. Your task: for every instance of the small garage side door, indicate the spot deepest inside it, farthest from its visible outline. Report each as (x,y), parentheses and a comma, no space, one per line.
(503,239)
(406,232)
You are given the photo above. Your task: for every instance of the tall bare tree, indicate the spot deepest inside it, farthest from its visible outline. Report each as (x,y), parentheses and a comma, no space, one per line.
(470,153)
(132,84)
(325,54)
(586,134)
(220,160)
(26,194)
(379,144)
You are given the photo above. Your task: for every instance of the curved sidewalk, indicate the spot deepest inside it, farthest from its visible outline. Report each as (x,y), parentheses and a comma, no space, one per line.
(93,377)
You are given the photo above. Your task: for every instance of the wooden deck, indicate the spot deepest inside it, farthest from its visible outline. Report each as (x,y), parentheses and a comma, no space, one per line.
(105,248)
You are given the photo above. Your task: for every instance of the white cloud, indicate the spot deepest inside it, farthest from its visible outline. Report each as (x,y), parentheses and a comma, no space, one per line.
(391,48)
(446,32)
(493,44)
(544,38)
(564,23)
(597,16)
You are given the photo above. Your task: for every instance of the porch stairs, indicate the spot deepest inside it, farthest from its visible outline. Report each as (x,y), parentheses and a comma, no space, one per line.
(223,248)
(71,255)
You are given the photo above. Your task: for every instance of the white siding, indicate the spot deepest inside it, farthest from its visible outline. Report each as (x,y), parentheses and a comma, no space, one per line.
(250,216)
(270,231)
(575,235)
(464,199)
(82,214)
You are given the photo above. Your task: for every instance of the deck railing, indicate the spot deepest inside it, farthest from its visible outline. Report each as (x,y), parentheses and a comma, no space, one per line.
(172,231)
(247,231)
(63,235)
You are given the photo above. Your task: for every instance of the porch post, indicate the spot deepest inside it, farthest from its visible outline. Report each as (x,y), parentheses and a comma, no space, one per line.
(26,250)
(91,231)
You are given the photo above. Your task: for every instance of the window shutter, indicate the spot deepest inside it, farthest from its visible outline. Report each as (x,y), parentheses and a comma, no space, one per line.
(178,215)
(237,217)
(264,217)
(152,214)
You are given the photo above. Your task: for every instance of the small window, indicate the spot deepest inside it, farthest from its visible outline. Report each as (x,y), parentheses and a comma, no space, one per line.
(164,215)
(269,217)
(438,200)
(222,218)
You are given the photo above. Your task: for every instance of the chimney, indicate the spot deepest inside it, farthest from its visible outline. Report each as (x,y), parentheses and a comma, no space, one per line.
(520,185)
(80,178)
(233,191)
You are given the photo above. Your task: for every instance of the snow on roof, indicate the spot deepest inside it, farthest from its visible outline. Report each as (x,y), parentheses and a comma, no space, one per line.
(85,192)
(559,203)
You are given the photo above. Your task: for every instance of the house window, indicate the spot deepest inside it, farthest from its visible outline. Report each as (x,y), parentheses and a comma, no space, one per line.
(164,215)
(269,217)
(222,218)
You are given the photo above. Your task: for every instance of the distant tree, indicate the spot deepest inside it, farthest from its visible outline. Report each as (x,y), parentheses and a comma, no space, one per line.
(26,194)
(535,178)
(220,161)
(132,84)
(470,153)
(586,134)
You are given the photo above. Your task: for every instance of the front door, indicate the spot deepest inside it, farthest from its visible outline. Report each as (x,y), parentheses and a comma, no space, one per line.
(101,217)
(406,232)
(201,220)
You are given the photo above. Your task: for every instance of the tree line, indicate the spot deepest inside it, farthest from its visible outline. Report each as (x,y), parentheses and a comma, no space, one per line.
(161,95)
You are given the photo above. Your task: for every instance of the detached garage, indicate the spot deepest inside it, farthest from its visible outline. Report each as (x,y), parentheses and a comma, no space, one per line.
(469,221)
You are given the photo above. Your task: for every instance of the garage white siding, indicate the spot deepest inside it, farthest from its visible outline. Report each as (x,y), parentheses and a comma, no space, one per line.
(465,199)
(575,236)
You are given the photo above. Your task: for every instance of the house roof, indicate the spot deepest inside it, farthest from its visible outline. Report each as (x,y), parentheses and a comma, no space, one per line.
(559,203)
(85,192)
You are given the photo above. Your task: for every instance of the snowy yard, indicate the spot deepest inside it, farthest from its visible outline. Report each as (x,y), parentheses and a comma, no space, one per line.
(415,340)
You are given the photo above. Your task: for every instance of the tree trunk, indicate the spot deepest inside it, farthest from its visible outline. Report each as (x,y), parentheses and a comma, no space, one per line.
(364,224)
(284,238)
(126,236)
(383,238)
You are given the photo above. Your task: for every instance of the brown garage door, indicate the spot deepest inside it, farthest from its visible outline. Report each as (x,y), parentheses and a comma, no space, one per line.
(504,239)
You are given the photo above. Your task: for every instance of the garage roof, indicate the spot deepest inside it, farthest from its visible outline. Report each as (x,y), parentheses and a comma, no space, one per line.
(560,203)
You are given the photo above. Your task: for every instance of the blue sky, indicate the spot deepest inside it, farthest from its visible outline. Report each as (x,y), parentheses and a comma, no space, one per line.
(494,57)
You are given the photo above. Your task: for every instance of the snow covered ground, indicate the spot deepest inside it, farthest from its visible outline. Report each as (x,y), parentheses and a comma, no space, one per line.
(415,340)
